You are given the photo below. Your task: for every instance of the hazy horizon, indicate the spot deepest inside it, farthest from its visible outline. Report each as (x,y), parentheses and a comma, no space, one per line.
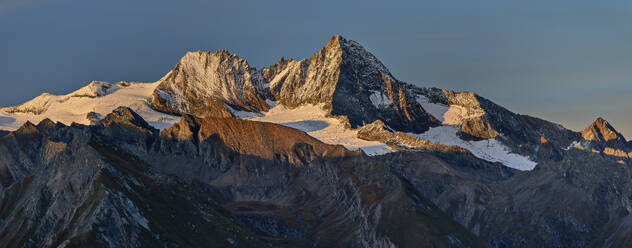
(564,61)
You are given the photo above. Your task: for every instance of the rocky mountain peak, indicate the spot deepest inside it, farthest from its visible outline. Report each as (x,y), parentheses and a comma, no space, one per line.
(124,116)
(601,130)
(27,128)
(601,137)
(351,82)
(48,126)
(203,83)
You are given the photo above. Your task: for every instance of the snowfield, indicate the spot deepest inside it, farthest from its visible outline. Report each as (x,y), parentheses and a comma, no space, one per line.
(312,120)
(98,97)
(491,149)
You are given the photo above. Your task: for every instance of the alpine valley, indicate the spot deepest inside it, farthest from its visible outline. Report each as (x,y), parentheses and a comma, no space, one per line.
(327,151)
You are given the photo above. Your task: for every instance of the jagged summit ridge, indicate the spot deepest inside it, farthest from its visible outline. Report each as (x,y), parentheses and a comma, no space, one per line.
(342,76)
(348,79)
(314,80)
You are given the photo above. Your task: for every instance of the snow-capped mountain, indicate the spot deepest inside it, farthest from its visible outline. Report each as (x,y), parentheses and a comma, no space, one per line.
(342,76)
(97,99)
(330,95)
(218,153)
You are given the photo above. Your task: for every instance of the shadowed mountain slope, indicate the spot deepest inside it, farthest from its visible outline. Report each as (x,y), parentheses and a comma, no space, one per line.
(196,185)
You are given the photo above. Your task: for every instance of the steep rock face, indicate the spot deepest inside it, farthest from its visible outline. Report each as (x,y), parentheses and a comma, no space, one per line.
(352,83)
(189,186)
(204,83)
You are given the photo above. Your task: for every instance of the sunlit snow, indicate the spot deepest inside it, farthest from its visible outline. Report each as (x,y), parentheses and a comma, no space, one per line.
(312,120)
(491,149)
(75,106)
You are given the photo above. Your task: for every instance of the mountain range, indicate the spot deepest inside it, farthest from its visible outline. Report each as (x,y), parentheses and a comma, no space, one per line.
(327,151)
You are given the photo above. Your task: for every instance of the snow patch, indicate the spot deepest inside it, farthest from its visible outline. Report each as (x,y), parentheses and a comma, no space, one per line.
(436,110)
(491,150)
(378,99)
(574,144)
(313,120)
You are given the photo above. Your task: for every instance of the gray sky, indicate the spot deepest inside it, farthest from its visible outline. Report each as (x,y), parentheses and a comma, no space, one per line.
(565,61)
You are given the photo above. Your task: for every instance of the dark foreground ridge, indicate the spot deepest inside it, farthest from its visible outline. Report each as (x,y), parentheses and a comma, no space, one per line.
(122,183)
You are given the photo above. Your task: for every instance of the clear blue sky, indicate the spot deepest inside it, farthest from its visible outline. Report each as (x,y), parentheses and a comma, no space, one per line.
(565,61)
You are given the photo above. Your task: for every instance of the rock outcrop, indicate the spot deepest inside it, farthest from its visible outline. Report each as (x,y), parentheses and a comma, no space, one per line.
(377,131)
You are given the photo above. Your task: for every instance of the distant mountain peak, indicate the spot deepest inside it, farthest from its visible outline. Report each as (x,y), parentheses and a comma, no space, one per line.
(601,130)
